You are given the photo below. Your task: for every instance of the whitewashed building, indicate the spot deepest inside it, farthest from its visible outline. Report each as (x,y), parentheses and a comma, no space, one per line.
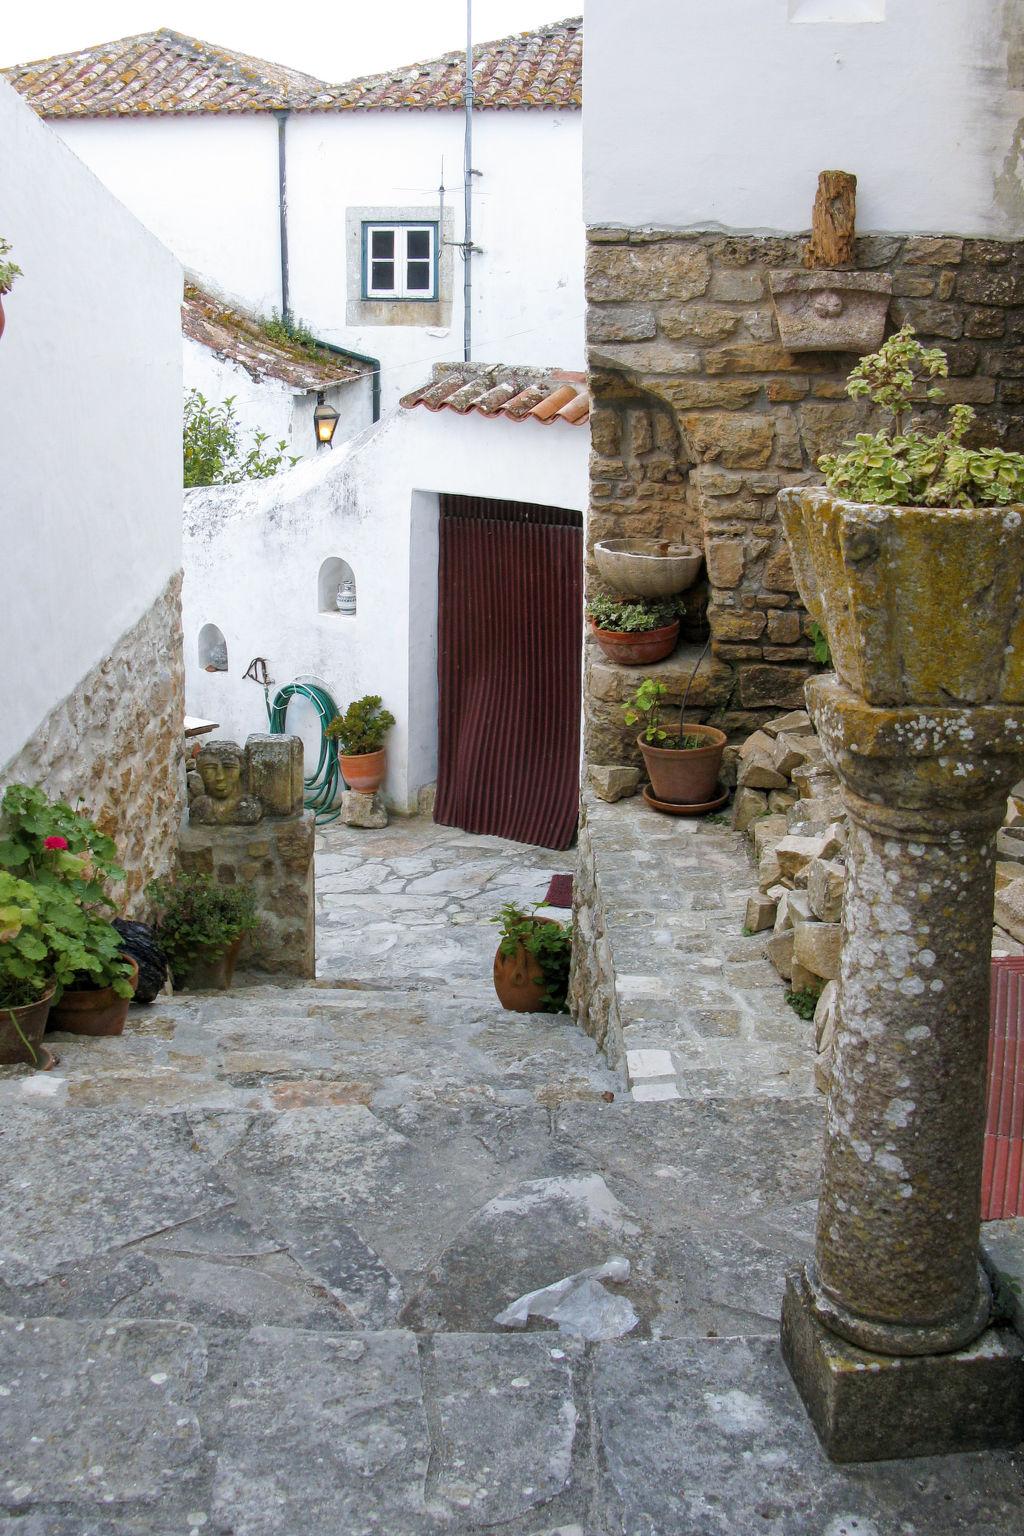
(343,205)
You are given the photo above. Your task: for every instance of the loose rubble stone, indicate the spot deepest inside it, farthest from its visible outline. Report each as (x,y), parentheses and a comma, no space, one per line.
(818,947)
(359,810)
(780,952)
(759,742)
(760,913)
(793,751)
(780,801)
(825,881)
(612,782)
(1009,908)
(747,805)
(793,908)
(768,832)
(794,852)
(758,772)
(796,722)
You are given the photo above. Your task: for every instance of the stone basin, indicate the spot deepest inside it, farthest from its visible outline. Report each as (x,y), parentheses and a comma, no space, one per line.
(647,567)
(921,605)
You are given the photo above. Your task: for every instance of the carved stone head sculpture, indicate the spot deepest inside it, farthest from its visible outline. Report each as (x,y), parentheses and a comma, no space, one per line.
(219,787)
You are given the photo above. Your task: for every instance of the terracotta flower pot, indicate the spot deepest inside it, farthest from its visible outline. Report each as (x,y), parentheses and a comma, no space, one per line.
(3,317)
(685,777)
(21,1025)
(96,1011)
(364,773)
(921,605)
(519,980)
(637,650)
(213,970)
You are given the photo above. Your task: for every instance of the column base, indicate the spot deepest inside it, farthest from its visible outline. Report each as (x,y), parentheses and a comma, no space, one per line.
(868,1407)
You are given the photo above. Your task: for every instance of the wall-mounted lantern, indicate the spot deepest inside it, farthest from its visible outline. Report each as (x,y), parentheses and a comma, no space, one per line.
(325,419)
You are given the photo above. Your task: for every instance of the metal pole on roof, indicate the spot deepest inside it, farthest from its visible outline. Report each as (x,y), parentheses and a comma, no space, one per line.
(282,212)
(467,248)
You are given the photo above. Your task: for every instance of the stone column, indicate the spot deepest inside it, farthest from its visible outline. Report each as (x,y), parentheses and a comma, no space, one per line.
(880,1331)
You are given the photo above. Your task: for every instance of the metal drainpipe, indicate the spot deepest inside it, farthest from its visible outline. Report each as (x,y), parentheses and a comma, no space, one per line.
(467,249)
(282,210)
(360,357)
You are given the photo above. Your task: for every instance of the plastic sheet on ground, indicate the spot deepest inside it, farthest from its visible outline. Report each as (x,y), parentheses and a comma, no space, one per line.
(578,1304)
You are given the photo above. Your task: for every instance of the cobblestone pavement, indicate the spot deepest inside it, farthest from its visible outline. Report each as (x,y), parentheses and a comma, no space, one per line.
(251,1253)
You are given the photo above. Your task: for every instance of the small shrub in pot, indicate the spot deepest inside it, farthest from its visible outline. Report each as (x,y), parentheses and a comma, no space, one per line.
(200,925)
(360,734)
(634,631)
(682,761)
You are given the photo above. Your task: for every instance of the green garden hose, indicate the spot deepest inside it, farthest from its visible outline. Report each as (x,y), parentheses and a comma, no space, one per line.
(323,784)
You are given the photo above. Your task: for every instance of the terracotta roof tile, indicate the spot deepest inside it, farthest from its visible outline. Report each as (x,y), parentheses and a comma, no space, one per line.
(542,68)
(166,72)
(516,393)
(239,338)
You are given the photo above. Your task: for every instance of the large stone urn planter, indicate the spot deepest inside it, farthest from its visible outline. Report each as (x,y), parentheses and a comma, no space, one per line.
(921,605)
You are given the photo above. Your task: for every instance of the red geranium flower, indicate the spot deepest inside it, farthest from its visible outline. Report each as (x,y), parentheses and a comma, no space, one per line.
(55,842)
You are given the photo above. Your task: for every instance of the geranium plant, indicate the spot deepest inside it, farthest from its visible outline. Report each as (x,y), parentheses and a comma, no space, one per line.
(363,726)
(632,616)
(899,466)
(197,916)
(9,270)
(549,943)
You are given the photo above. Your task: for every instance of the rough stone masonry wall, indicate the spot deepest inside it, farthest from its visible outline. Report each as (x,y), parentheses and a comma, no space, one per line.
(114,745)
(701,416)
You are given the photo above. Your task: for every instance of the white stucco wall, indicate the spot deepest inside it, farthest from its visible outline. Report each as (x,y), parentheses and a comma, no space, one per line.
(720,115)
(268,405)
(253,554)
(213,199)
(90,440)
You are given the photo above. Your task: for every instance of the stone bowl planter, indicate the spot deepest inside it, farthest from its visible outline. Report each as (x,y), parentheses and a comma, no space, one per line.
(688,777)
(92,1011)
(639,648)
(647,567)
(28,1023)
(921,605)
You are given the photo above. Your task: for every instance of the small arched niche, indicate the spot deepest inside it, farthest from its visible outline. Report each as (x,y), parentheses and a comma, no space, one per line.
(213,649)
(336,587)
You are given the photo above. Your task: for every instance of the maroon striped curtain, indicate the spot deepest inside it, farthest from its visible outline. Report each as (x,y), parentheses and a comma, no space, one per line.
(509,659)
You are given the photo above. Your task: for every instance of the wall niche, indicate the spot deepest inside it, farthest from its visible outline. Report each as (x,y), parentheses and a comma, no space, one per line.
(213,649)
(336,588)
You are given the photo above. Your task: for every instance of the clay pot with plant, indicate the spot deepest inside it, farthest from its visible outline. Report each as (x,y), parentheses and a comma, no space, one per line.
(200,925)
(634,632)
(910,559)
(67,862)
(27,983)
(9,271)
(360,734)
(531,967)
(683,761)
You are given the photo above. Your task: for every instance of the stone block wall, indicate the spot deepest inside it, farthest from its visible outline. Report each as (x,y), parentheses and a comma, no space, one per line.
(114,747)
(701,416)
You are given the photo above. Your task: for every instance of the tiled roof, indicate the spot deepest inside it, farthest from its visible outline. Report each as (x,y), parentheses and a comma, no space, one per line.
(160,72)
(516,393)
(165,72)
(238,338)
(542,68)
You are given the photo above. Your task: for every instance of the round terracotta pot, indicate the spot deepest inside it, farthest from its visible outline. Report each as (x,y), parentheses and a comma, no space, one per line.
(21,1025)
(637,650)
(3,317)
(519,980)
(687,778)
(364,773)
(92,1011)
(213,970)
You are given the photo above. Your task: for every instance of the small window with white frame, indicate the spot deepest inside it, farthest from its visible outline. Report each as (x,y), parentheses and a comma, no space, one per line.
(400,261)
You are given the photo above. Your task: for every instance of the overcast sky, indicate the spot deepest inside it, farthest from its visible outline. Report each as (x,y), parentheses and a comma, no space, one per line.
(336,40)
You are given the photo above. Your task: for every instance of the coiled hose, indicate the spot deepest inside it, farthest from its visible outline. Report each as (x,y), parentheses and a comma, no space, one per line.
(323,784)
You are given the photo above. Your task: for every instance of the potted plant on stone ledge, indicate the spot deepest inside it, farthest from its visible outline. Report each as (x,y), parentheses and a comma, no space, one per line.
(634,632)
(683,761)
(911,556)
(200,926)
(360,734)
(9,270)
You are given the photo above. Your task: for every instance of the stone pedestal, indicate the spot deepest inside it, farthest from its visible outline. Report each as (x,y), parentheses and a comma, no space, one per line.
(275,859)
(896,1271)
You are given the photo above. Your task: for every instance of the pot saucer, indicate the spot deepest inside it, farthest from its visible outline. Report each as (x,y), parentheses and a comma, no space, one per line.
(681,808)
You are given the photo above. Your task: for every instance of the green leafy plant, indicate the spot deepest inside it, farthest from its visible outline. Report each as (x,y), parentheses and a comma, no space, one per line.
(288,331)
(902,467)
(9,270)
(646,706)
(213,447)
(67,861)
(197,916)
(24,954)
(630,617)
(363,726)
(820,647)
(803,1002)
(549,943)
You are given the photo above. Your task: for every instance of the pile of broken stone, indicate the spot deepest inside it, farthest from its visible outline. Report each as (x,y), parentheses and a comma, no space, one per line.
(788,803)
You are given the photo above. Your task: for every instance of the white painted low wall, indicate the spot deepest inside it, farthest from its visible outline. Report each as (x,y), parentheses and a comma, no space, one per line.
(705,114)
(253,555)
(90,436)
